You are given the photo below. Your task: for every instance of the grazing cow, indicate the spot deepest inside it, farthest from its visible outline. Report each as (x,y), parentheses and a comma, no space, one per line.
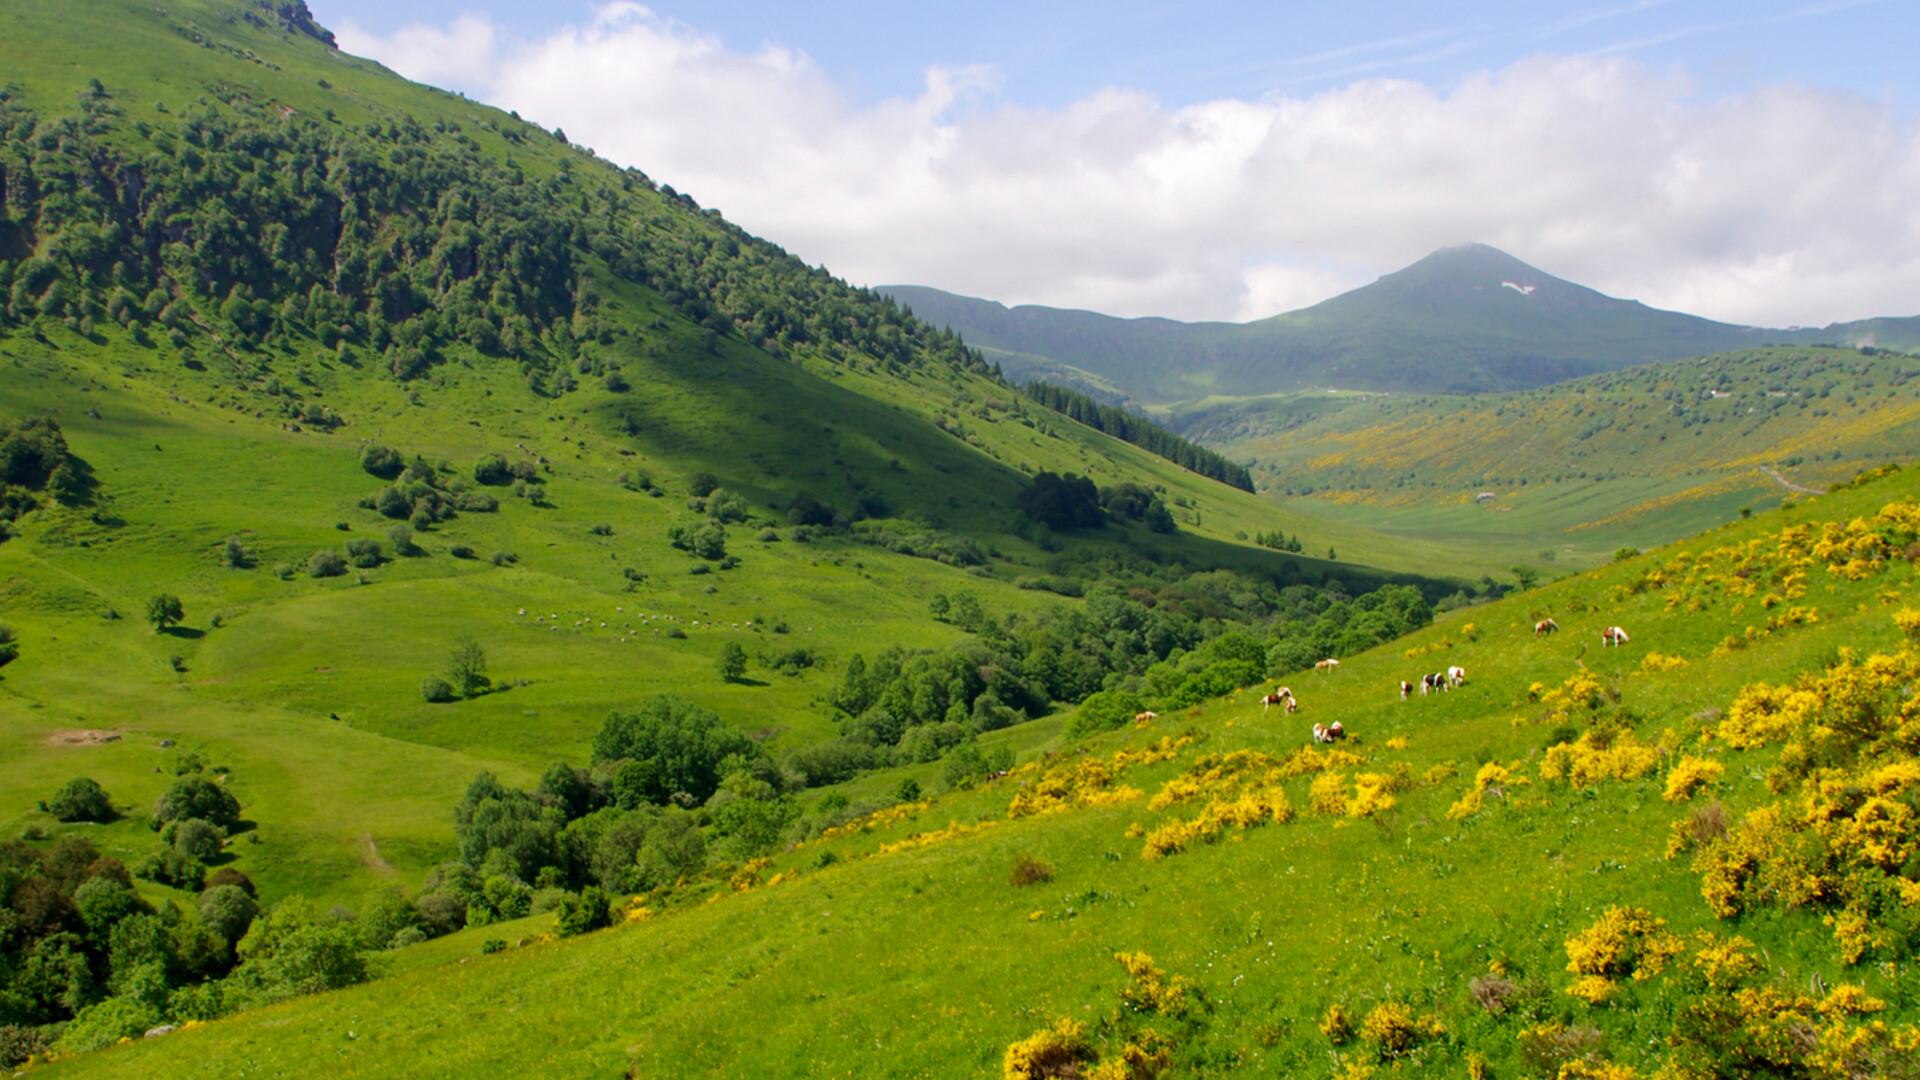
(1457,675)
(1406,689)
(1327,666)
(1544,627)
(1320,734)
(1143,717)
(1613,635)
(1282,696)
(1335,732)
(1293,705)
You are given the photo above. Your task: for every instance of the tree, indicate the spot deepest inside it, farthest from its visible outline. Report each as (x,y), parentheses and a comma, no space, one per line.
(164,610)
(235,555)
(733,661)
(227,910)
(9,648)
(1061,502)
(196,797)
(198,839)
(701,484)
(435,689)
(1527,576)
(82,799)
(467,667)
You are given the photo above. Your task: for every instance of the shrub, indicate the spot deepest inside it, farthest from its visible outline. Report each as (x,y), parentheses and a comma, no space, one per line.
(382,461)
(196,797)
(701,484)
(503,558)
(1059,1050)
(326,564)
(401,537)
(235,554)
(460,551)
(1028,870)
(81,799)
(170,867)
(227,875)
(1104,711)
(9,646)
(591,909)
(491,470)
(18,1043)
(198,839)
(364,554)
(908,791)
(435,689)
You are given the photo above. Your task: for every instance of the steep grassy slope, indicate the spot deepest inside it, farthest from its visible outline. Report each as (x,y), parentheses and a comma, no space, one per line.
(1467,319)
(1547,865)
(1635,457)
(217,422)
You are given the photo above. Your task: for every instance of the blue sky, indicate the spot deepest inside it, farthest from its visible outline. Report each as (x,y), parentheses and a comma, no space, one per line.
(1185,51)
(1754,162)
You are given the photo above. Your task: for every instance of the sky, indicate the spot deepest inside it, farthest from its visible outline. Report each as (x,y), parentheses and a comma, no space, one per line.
(1754,162)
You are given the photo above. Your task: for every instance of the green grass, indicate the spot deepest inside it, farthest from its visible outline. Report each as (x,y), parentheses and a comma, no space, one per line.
(928,962)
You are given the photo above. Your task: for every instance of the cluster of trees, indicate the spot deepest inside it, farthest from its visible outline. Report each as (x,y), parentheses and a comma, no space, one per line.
(423,494)
(1073,502)
(85,961)
(1143,433)
(1207,635)
(1278,540)
(391,237)
(34,461)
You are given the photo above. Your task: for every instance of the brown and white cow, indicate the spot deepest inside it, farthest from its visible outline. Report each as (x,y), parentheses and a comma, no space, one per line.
(1613,635)
(1282,696)
(1143,717)
(1327,666)
(1406,689)
(1457,675)
(1544,627)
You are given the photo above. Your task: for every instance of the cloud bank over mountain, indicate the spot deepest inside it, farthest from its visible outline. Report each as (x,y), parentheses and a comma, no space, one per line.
(1787,204)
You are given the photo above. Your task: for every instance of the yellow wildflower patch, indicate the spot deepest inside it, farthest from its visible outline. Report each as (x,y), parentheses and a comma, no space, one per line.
(1690,775)
(1589,761)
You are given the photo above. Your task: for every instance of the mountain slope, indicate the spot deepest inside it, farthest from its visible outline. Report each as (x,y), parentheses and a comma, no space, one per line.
(289,310)
(1467,319)
(1636,457)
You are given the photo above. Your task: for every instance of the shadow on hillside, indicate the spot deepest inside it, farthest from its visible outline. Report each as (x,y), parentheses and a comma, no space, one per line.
(186,632)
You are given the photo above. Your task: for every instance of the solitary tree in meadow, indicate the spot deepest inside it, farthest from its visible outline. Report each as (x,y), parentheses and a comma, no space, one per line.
(467,667)
(165,610)
(733,661)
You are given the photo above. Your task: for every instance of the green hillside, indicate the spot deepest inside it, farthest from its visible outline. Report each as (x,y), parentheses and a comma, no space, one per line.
(1636,457)
(357,441)
(1690,855)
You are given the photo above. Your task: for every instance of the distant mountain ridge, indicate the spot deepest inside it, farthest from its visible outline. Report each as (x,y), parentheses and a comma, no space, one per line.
(1465,319)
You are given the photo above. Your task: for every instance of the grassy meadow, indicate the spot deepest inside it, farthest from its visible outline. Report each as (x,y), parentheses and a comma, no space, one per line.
(899,946)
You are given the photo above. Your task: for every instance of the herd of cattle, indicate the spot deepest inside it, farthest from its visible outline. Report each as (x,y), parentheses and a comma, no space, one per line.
(1437,683)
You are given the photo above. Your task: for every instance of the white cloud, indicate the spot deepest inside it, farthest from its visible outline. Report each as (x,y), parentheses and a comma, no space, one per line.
(1785,205)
